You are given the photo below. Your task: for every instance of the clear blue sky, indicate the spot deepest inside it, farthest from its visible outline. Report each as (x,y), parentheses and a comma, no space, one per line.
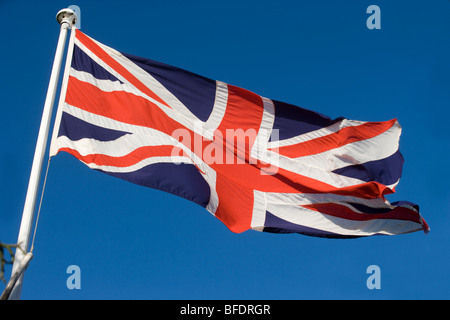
(132,242)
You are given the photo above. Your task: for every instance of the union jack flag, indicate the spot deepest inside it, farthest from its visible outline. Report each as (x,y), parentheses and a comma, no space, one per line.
(299,172)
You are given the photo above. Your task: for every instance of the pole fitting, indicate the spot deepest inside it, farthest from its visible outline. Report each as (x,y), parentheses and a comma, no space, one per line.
(66,16)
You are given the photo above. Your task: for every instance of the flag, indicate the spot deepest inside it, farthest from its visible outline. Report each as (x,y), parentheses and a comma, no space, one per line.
(252,162)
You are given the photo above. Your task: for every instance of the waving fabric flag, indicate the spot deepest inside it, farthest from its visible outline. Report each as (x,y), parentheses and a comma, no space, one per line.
(252,162)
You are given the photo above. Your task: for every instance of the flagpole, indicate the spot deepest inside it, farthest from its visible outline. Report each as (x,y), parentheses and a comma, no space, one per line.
(66,18)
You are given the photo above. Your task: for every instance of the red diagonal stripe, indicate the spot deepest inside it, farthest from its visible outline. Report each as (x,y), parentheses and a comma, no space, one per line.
(337,139)
(99,52)
(130,159)
(341,211)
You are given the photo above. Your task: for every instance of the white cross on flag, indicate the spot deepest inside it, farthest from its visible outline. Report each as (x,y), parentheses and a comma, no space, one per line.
(252,162)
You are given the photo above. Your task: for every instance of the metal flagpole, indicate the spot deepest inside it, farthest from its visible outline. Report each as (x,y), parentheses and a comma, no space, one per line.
(66,18)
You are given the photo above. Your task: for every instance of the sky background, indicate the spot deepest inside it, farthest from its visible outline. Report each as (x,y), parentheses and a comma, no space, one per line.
(132,242)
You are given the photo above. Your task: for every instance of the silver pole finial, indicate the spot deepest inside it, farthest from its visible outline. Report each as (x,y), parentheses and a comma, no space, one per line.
(66,16)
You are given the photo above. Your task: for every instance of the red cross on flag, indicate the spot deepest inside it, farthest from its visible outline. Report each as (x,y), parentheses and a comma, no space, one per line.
(252,162)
